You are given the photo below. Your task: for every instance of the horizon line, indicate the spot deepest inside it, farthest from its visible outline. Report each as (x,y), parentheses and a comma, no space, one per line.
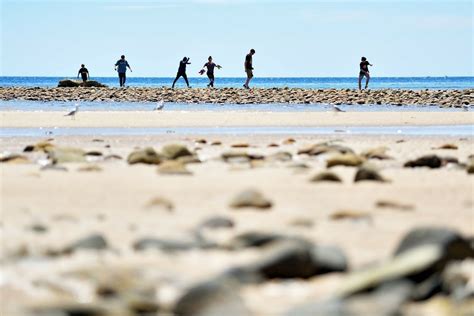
(273,77)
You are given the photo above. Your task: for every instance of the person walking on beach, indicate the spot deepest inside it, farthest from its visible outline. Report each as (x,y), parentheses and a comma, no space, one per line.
(249,68)
(182,71)
(83,72)
(210,71)
(364,72)
(121,67)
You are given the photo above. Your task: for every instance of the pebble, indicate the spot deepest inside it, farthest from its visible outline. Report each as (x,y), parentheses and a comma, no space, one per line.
(326,176)
(431,161)
(146,156)
(174,151)
(250,199)
(365,173)
(349,160)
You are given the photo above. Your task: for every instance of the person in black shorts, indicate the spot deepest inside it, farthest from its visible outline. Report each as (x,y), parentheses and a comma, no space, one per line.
(182,71)
(84,73)
(210,71)
(364,72)
(249,68)
(121,67)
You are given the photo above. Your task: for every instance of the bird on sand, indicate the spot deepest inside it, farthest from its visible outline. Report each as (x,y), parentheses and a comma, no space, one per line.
(73,113)
(159,106)
(335,108)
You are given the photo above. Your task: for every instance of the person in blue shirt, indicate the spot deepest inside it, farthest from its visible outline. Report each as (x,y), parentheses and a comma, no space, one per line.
(121,67)
(182,71)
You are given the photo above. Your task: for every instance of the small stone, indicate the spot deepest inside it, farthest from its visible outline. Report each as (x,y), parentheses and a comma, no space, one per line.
(431,161)
(216,222)
(368,174)
(448,146)
(172,167)
(14,159)
(394,205)
(93,153)
(240,145)
(39,228)
(273,145)
(350,160)
(160,202)
(90,168)
(326,176)
(92,242)
(174,151)
(250,198)
(166,245)
(212,298)
(216,143)
(200,141)
(252,239)
(146,156)
(289,141)
(350,214)
(376,153)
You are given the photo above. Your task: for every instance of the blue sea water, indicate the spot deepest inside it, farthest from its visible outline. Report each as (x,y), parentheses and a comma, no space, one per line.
(415,83)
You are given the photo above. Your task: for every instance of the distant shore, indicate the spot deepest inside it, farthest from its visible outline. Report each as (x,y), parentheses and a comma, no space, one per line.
(442,98)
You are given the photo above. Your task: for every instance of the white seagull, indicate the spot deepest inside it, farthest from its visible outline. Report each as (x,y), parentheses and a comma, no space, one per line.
(159,106)
(72,114)
(466,107)
(335,108)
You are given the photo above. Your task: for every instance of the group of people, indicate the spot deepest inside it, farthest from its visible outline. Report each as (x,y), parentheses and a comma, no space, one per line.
(121,67)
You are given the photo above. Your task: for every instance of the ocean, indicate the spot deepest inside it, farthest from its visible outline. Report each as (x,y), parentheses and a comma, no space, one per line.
(416,83)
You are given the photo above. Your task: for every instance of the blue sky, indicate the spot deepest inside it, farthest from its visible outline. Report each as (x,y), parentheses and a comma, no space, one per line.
(292,38)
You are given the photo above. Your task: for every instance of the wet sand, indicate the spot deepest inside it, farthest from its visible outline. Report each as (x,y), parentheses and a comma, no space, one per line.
(114,202)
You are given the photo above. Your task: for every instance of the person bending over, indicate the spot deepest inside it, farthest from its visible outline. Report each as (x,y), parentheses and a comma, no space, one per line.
(121,67)
(210,65)
(364,72)
(84,73)
(182,71)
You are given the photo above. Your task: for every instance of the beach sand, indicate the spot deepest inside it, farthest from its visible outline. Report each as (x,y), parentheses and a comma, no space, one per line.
(114,202)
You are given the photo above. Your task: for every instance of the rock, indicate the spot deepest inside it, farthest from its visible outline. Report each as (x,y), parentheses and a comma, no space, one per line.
(250,198)
(66,83)
(39,228)
(95,153)
(213,298)
(90,168)
(431,161)
(318,149)
(235,156)
(92,242)
(60,155)
(173,167)
(14,159)
(394,205)
(216,222)
(280,156)
(350,160)
(67,309)
(448,146)
(146,156)
(326,176)
(216,143)
(166,245)
(174,151)
(289,141)
(376,153)
(160,202)
(349,214)
(252,239)
(452,244)
(240,145)
(365,173)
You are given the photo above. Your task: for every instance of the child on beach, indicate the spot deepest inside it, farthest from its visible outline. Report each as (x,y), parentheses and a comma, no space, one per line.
(210,71)
(364,72)
(182,71)
(249,68)
(84,73)
(121,67)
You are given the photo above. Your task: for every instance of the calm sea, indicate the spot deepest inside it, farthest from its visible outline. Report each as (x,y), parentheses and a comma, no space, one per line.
(309,83)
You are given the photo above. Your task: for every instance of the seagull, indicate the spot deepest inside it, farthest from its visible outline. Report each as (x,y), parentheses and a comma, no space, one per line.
(466,107)
(72,114)
(159,106)
(335,108)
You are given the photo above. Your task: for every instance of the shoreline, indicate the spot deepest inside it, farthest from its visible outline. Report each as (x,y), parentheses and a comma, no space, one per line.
(155,119)
(442,98)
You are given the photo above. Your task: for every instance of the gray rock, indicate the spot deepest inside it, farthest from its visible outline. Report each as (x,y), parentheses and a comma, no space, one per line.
(146,156)
(166,245)
(431,161)
(216,222)
(252,239)
(213,298)
(92,242)
(174,151)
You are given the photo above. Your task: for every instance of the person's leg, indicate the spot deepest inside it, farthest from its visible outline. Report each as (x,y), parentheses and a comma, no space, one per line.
(120,78)
(360,81)
(249,76)
(124,78)
(186,79)
(175,79)
(211,78)
(367,80)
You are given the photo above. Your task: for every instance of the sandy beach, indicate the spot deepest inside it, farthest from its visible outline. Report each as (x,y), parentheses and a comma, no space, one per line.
(45,211)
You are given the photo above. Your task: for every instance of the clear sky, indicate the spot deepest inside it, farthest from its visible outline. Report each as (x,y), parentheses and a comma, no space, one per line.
(293,38)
